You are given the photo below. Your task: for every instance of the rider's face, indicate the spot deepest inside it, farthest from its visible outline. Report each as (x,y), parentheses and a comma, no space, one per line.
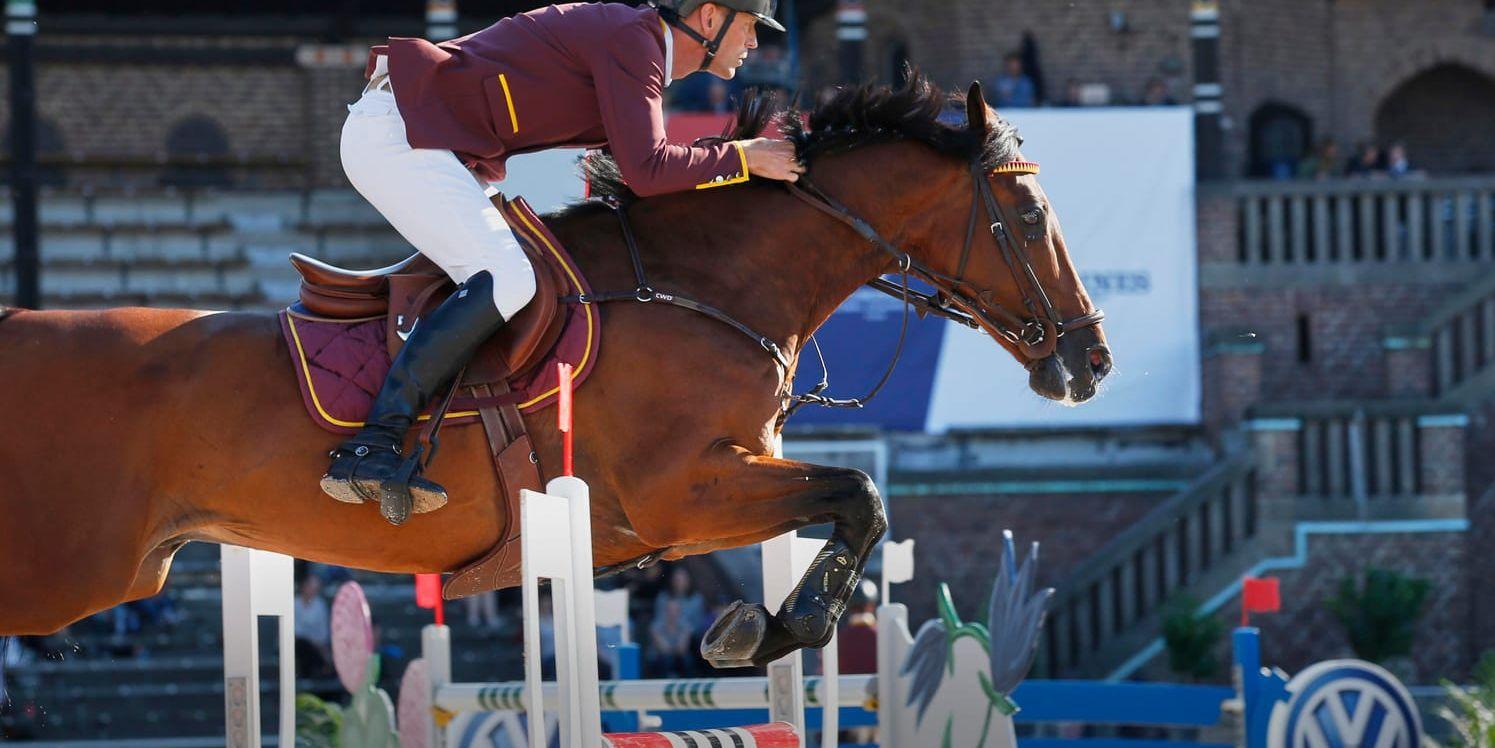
(740,39)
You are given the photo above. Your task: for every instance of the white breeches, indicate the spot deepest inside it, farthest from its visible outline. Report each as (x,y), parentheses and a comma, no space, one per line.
(433,201)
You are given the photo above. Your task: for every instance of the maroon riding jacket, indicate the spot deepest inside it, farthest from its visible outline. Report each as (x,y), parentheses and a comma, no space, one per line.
(575,75)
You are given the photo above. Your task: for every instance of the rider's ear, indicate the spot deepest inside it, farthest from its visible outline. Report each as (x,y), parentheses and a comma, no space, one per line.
(976,108)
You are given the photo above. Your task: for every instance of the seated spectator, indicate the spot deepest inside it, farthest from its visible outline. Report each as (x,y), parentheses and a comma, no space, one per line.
(1366,161)
(670,637)
(1013,88)
(1072,94)
(547,637)
(482,610)
(313,630)
(856,645)
(856,641)
(692,604)
(719,98)
(1324,163)
(1156,94)
(1398,166)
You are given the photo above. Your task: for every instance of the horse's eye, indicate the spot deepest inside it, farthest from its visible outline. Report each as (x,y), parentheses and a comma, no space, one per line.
(1031,216)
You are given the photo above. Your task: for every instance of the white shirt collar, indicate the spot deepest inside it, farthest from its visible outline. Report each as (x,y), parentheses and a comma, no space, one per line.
(669,51)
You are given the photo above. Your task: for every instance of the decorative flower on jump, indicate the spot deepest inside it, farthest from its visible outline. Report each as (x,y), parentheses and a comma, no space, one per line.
(1010,637)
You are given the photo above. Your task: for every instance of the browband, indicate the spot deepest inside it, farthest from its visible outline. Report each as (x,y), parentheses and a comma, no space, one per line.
(1016,167)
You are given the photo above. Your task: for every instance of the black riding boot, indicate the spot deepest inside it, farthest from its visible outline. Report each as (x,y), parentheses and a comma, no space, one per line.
(372,466)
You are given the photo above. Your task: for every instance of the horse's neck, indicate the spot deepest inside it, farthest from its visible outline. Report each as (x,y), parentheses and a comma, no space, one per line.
(775,263)
(758,253)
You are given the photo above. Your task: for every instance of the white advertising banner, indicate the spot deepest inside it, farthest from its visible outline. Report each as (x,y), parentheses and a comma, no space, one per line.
(1121,181)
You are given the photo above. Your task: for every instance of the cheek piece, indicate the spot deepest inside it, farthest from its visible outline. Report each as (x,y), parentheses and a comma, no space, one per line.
(712,45)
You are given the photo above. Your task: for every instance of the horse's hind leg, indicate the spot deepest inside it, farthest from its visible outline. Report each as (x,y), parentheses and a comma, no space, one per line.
(754,498)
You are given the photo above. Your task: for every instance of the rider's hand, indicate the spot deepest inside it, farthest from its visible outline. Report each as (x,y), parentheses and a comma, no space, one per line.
(775,159)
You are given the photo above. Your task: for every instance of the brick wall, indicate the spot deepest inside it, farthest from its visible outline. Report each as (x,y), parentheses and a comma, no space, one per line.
(1339,61)
(1306,631)
(961,40)
(122,112)
(1346,328)
(959,539)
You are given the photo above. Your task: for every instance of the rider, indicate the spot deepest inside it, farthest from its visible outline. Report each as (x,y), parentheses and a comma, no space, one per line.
(436,123)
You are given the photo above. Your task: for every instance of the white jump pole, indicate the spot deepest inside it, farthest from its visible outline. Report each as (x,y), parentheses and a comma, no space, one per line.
(556,545)
(256,583)
(786,675)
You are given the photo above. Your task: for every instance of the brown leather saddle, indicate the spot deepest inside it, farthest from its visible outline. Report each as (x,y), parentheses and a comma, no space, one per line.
(403,293)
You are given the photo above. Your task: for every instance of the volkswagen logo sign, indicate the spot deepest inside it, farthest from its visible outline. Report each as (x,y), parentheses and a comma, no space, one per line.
(1345,703)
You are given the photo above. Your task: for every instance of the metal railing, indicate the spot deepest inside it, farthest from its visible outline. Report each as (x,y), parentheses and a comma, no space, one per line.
(1366,221)
(1360,450)
(1462,335)
(1132,576)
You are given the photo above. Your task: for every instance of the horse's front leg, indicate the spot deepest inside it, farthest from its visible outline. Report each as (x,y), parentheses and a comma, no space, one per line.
(752,498)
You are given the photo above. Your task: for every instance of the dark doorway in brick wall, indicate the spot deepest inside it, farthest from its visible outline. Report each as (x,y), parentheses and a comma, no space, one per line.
(1281,136)
(198,150)
(1444,115)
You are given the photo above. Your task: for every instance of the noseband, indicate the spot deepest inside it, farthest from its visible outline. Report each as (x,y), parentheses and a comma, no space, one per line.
(1034,334)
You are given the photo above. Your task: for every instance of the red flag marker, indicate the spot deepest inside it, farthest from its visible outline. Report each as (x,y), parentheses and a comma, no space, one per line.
(428,595)
(1259,595)
(563,415)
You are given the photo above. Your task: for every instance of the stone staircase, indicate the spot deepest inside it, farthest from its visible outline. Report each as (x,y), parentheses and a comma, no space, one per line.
(1294,462)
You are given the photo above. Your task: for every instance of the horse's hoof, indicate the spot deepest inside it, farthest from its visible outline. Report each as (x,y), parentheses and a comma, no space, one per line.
(736,636)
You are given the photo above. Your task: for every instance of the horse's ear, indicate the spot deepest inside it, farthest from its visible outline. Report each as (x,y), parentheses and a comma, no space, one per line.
(976,108)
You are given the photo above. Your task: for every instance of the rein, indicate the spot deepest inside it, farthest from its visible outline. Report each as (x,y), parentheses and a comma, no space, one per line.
(1035,335)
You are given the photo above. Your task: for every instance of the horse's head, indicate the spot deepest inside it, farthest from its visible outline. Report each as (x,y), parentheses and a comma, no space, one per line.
(1009,269)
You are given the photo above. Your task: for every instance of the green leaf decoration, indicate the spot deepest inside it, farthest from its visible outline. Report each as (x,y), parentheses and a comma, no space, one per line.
(368,720)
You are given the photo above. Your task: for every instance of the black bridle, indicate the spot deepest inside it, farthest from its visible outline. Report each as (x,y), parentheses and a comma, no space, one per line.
(1034,335)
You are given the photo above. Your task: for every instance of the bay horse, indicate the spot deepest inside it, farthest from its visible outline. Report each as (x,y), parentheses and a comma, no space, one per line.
(136,430)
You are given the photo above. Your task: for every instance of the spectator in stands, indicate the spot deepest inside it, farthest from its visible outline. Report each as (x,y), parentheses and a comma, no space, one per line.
(1324,163)
(1156,94)
(1398,166)
(719,98)
(670,638)
(313,629)
(486,604)
(1014,88)
(856,643)
(1072,96)
(547,637)
(644,585)
(1366,161)
(332,576)
(856,646)
(682,591)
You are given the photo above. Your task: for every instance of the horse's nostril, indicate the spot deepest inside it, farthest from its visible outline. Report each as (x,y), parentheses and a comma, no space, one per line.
(1100,361)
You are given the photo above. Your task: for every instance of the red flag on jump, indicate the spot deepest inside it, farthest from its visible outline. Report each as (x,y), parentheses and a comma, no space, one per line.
(428,594)
(563,414)
(1259,595)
